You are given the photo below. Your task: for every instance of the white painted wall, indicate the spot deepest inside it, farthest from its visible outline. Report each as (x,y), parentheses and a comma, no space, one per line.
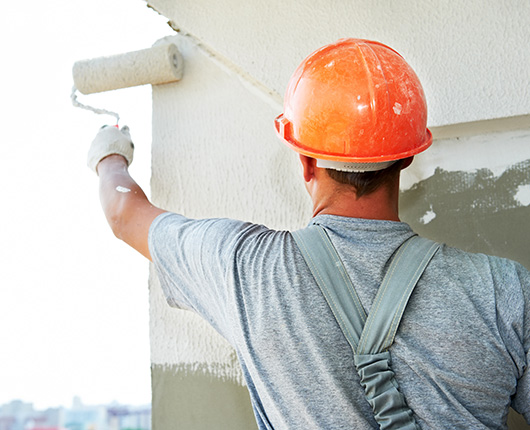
(215,154)
(472,56)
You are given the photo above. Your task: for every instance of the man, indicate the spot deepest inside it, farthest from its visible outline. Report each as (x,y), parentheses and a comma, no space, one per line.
(355,112)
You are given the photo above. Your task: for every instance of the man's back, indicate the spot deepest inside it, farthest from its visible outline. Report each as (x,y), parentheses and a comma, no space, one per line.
(458,354)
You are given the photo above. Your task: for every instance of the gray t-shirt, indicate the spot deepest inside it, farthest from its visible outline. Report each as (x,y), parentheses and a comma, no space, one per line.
(460,356)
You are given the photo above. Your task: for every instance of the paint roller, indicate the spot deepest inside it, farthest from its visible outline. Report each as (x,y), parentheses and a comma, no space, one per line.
(160,64)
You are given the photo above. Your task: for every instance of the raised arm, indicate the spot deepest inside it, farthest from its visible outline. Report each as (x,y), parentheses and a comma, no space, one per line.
(126,207)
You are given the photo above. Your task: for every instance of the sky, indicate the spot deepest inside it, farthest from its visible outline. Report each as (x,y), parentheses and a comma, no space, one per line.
(74,312)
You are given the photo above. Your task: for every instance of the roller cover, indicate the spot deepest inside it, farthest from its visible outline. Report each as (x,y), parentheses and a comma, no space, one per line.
(157,65)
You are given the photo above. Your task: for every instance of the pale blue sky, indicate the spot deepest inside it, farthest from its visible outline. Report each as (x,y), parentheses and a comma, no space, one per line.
(73,299)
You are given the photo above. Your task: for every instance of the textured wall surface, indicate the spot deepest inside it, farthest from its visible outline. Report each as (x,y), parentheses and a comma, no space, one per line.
(215,153)
(473,193)
(472,56)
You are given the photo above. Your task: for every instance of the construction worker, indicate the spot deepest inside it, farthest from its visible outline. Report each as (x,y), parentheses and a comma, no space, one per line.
(356,341)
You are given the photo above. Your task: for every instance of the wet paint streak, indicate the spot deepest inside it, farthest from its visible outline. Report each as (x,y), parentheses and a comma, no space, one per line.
(476,211)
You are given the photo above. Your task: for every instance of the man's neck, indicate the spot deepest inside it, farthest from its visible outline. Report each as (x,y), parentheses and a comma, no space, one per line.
(333,198)
(382,204)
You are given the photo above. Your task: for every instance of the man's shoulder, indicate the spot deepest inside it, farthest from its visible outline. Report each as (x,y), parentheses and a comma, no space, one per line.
(501,271)
(496,261)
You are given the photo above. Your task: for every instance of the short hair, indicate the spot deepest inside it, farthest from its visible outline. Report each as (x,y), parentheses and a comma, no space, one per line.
(366,183)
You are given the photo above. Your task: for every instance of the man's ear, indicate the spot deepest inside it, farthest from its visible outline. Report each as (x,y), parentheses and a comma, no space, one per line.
(407,162)
(308,167)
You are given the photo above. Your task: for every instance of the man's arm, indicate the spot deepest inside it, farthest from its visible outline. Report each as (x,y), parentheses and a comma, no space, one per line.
(128,211)
(126,207)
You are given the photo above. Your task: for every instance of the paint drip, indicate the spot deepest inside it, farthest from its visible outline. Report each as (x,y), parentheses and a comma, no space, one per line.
(121,189)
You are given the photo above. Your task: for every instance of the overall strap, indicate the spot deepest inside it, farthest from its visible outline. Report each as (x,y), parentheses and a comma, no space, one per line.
(372,358)
(332,278)
(375,333)
(406,268)
(370,337)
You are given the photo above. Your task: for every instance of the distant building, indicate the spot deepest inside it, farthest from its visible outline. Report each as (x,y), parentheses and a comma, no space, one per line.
(84,417)
(18,415)
(15,415)
(129,418)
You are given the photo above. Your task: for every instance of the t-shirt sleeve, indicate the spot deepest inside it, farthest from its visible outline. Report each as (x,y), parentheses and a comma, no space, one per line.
(194,261)
(521,400)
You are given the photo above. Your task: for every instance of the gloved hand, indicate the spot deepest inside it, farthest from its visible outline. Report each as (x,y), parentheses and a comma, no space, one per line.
(110,140)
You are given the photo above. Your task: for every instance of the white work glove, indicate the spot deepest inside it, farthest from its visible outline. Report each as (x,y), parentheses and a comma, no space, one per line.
(110,140)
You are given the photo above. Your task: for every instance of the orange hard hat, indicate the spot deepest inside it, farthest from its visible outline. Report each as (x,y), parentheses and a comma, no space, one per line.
(356,105)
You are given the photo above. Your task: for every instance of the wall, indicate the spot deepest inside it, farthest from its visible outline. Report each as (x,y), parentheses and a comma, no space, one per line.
(215,152)
(473,192)
(471,56)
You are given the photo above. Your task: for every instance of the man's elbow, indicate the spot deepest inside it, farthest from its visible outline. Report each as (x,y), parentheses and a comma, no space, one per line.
(117,225)
(130,220)
(118,218)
